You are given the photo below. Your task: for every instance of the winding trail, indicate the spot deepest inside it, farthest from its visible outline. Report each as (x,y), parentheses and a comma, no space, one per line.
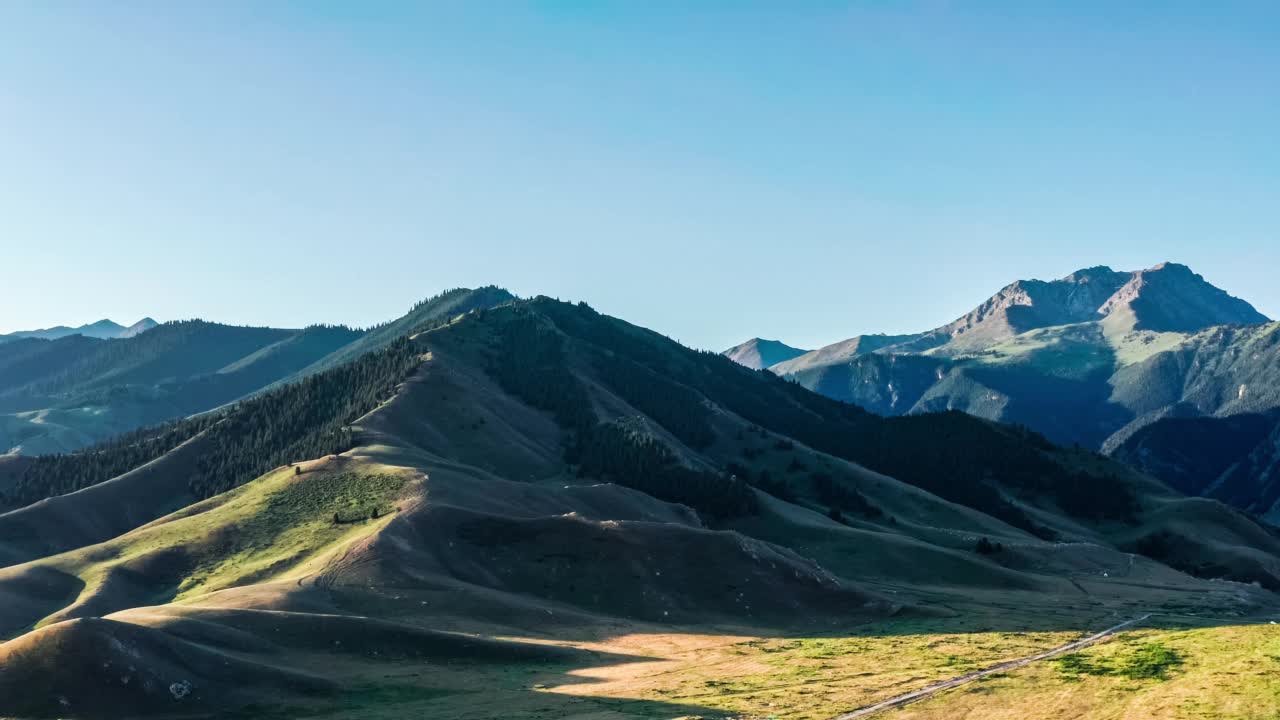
(938,687)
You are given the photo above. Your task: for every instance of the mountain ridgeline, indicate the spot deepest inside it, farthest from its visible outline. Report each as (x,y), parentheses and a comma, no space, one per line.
(65,394)
(102,329)
(306,419)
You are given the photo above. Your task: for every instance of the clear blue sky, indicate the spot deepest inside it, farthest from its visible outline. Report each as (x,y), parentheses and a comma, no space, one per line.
(802,171)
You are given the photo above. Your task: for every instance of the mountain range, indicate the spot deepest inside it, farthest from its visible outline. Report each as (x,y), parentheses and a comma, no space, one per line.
(262,521)
(103,330)
(486,497)
(1089,359)
(65,393)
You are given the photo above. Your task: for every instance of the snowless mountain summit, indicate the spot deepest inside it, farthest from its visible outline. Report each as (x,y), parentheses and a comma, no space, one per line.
(1168,297)
(758,353)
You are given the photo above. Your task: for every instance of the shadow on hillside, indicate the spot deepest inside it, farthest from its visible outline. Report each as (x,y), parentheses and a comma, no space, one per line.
(473,693)
(1064,409)
(30,594)
(1092,605)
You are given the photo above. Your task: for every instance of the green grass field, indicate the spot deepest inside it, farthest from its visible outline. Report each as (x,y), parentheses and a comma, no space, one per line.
(1222,673)
(1230,671)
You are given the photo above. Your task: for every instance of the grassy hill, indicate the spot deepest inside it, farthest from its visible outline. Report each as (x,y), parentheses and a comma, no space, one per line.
(519,507)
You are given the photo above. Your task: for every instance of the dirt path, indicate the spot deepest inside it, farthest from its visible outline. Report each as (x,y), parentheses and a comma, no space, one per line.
(938,687)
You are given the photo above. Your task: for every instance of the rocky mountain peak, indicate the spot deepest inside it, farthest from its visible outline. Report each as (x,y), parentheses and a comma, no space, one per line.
(1171,297)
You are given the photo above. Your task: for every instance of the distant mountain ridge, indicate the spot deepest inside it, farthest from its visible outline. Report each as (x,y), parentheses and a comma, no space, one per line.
(103,329)
(1168,297)
(758,353)
(1091,358)
(138,328)
(62,394)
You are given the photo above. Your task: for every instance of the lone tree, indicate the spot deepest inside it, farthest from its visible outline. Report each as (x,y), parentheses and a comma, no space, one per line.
(297,470)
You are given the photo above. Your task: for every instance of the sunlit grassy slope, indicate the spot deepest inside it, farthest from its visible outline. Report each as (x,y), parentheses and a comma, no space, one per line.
(281,525)
(1078,348)
(811,677)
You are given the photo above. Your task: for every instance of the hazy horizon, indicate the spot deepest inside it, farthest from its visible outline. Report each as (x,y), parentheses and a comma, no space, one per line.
(713,173)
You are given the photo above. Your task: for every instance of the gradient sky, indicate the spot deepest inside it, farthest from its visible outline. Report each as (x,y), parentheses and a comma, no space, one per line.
(802,171)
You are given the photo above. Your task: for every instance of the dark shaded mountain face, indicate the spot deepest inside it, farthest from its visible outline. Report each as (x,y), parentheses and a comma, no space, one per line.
(757,353)
(103,330)
(535,468)
(1235,459)
(64,394)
